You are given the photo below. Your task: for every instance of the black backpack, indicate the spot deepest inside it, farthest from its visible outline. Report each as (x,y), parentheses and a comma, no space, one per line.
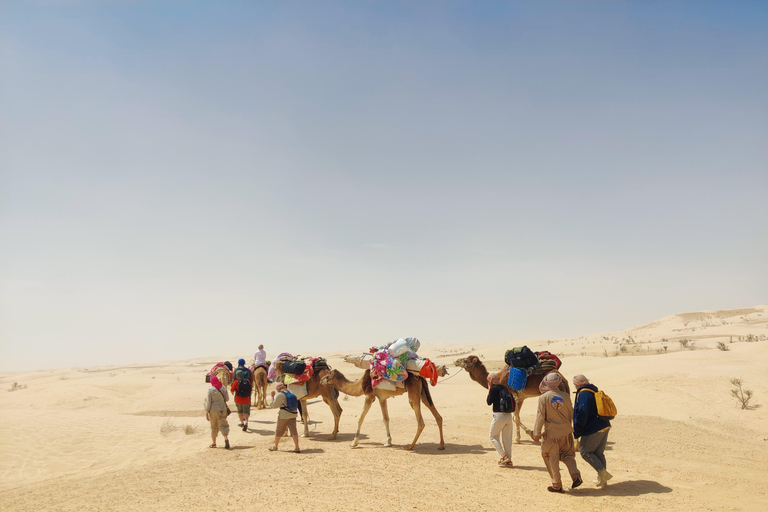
(506,400)
(243,387)
(521,357)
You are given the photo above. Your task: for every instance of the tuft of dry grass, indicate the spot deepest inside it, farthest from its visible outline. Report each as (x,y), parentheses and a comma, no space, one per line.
(189,429)
(741,394)
(167,427)
(16,386)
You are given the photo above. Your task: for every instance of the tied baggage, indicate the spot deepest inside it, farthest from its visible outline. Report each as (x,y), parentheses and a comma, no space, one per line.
(518,378)
(520,357)
(294,367)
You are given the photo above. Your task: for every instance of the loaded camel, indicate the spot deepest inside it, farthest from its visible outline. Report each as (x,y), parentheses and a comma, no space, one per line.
(316,387)
(259,376)
(416,387)
(478,373)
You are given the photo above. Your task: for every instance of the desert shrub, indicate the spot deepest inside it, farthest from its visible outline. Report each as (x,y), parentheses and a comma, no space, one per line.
(189,429)
(167,427)
(16,386)
(739,393)
(686,343)
(723,346)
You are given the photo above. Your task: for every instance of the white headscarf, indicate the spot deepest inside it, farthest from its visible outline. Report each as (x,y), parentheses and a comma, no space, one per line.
(580,380)
(550,382)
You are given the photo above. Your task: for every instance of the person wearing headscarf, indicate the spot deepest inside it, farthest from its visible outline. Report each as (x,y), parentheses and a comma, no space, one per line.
(501,425)
(590,428)
(216,411)
(554,416)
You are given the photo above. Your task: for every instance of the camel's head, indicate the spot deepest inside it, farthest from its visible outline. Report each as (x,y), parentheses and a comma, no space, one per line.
(442,371)
(279,367)
(468,362)
(329,377)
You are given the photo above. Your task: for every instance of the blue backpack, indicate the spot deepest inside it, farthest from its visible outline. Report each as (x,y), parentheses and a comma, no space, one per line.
(291,402)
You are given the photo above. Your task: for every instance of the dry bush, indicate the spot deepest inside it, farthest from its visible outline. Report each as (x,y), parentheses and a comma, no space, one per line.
(189,429)
(723,346)
(739,393)
(167,427)
(16,386)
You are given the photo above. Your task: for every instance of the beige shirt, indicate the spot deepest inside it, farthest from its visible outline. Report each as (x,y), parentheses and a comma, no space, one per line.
(216,400)
(280,401)
(555,414)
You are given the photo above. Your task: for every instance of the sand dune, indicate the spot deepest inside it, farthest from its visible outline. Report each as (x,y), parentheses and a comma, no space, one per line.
(135,438)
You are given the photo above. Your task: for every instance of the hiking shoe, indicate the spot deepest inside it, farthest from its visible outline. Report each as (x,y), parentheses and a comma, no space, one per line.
(245,428)
(602,478)
(552,488)
(226,444)
(577,482)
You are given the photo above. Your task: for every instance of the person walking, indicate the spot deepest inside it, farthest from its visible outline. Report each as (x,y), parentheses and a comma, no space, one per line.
(241,388)
(286,417)
(590,428)
(216,411)
(554,415)
(501,425)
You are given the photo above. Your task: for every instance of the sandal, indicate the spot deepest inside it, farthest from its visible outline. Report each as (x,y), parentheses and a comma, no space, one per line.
(552,488)
(297,450)
(213,445)
(272,449)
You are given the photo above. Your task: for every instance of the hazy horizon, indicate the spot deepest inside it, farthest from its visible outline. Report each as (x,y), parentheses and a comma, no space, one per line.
(186,179)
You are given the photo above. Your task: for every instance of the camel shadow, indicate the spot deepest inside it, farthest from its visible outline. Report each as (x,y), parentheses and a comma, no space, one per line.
(627,488)
(529,468)
(450,449)
(260,432)
(325,438)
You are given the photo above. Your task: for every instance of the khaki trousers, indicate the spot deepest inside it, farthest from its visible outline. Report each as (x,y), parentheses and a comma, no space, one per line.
(219,423)
(556,449)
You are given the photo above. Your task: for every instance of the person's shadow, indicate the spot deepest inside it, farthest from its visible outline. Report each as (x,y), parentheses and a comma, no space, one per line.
(626,488)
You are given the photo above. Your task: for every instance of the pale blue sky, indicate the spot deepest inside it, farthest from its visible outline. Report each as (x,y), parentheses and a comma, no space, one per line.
(195,178)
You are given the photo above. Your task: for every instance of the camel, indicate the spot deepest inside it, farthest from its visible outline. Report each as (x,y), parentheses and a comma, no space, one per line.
(416,387)
(224,376)
(478,373)
(315,388)
(259,376)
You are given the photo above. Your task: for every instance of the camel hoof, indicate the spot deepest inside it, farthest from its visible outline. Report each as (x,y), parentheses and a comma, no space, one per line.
(441,447)
(332,438)
(388,445)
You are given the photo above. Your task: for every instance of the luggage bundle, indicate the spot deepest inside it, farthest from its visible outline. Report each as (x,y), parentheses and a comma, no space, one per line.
(299,370)
(390,364)
(548,361)
(521,357)
(523,362)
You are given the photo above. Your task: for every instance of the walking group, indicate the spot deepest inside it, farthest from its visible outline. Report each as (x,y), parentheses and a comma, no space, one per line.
(561,426)
(242,377)
(558,423)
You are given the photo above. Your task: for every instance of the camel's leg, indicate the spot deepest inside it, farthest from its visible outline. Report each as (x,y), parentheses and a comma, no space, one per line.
(368,402)
(305,417)
(335,410)
(438,419)
(414,398)
(385,417)
(518,405)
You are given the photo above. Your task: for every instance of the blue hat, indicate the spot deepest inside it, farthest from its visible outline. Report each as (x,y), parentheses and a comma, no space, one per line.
(241,362)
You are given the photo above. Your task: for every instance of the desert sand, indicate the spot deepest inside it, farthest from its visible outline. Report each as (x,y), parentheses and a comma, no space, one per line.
(135,437)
